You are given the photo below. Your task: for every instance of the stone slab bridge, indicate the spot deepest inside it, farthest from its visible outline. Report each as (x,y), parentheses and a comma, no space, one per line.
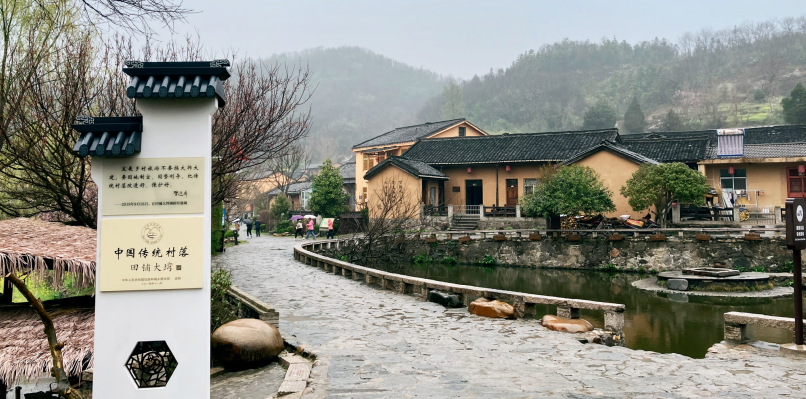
(376,343)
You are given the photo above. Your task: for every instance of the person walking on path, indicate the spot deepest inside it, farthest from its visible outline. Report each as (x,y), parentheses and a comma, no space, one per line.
(299,230)
(310,230)
(248,227)
(257,228)
(329,229)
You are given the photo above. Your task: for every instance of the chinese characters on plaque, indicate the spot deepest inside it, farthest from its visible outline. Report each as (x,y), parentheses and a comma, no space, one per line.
(152,186)
(152,254)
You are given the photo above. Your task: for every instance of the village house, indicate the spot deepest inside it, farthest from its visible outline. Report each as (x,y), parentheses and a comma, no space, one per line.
(394,143)
(752,168)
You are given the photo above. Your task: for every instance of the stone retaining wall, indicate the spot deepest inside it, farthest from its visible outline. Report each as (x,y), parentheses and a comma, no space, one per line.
(631,253)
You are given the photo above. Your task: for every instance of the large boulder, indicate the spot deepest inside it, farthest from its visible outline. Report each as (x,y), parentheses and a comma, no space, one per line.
(487,308)
(245,344)
(677,284)
(444,299)
(566,325)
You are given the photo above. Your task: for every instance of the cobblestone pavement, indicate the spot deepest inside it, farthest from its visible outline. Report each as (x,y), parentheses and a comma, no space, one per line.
(248,384)
(372,343)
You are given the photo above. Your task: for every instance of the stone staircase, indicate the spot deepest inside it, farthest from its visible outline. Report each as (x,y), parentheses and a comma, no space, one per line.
(464,222)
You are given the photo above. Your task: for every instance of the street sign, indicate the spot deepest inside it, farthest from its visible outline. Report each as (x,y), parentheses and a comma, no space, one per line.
(796,240)
(795,223)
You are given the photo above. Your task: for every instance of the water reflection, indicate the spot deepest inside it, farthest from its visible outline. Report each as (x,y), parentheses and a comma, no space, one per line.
(683,324)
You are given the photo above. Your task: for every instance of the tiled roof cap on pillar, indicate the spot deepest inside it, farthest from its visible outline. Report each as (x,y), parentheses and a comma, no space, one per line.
(108,137)
(197,79)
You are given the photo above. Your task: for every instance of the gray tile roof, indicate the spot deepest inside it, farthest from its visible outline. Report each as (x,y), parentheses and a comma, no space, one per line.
(520,147)
(347,171)
(759,142)
(409,133)
(665,149)
(108,136)
(177,79)
(413,167)
(613,147)
(293,188)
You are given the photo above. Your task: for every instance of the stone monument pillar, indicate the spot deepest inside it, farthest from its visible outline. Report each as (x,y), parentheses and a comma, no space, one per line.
(152,307)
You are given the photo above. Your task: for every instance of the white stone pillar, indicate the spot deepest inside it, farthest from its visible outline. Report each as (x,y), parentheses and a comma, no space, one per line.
(450,212)
(173,128)
(518,211)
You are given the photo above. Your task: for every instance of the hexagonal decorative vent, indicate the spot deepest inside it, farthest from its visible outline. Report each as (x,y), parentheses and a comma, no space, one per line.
(151,364)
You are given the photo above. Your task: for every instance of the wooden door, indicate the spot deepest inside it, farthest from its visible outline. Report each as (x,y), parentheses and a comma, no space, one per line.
(512,192)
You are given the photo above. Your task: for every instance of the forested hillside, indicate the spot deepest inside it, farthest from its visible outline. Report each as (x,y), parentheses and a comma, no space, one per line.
(359,94)
(708,79)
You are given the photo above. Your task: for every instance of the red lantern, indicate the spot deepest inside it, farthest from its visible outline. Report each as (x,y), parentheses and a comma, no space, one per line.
(731,170)
(469,170)
(801,169)
(509,168)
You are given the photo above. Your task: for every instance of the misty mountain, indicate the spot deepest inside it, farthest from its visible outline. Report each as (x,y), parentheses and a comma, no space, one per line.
(709,78)
(359,94)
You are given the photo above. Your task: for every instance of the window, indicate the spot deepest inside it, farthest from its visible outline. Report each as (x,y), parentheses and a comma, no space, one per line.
(529,186)
(795,183)
(462,131)
(366,162)
(364,194)
(736,182)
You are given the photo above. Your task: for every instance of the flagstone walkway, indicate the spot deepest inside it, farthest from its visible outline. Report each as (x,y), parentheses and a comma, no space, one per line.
(372,343)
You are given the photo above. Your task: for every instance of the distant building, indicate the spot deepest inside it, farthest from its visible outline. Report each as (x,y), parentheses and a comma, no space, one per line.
(756,168)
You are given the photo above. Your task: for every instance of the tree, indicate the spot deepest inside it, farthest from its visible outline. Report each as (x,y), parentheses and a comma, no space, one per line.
(795,106)
(661,185)
(671,122)
(453,106)
(328,198)
(599,116)
(572,190)
(634,118)
(280,206)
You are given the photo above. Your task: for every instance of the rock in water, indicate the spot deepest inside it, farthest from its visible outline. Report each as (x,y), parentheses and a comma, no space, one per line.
(487,308)
(444,299)
(566,325)
(677,284)
(246,343)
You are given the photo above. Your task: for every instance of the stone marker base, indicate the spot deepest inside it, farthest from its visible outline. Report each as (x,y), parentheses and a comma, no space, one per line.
(793,351)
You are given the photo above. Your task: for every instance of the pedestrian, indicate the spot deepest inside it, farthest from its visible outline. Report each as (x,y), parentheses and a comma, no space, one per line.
(248,227)
(257,228)
(310,230)
(329,228)
(299,229)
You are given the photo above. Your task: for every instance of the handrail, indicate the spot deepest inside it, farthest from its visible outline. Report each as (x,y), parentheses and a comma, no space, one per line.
(524,303)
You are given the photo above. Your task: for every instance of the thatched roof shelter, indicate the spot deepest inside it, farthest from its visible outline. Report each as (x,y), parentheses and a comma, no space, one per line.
(33,245)
(24,351)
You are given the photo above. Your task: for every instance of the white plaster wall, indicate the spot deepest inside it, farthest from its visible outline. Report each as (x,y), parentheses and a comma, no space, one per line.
(171,128)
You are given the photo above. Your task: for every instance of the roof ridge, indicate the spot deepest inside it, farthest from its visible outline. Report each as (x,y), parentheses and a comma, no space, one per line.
(528,134)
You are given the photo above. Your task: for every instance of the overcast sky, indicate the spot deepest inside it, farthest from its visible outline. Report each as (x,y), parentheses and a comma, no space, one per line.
(459,38)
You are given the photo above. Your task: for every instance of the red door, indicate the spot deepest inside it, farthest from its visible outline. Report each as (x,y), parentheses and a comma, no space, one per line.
(512,192)
(795,183)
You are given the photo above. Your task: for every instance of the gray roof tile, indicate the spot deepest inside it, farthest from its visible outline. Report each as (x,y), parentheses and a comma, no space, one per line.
(411,166)
(613,147)
(520,147)
(409,133)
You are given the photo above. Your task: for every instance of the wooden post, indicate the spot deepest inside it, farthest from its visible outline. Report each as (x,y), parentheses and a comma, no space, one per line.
(8,291)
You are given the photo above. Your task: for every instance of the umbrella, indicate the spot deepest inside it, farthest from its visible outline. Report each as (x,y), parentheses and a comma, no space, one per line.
(296,217)
(310,217)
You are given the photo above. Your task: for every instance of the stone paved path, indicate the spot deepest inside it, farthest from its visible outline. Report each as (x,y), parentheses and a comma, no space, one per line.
(379,344)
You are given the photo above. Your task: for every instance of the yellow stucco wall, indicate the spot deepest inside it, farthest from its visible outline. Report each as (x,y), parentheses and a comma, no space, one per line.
(470,131)
(767,177)
(486,173)
(393,175)
(614,171)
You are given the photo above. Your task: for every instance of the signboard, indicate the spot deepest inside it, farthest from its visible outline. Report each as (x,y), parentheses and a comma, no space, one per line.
(795,223)
(153,186)
(151,254)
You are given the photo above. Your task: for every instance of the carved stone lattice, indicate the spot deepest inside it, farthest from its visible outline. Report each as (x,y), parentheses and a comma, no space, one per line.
(151,364)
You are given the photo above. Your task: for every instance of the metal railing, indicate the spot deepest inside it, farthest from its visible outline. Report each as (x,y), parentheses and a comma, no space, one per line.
(466,209)
(435,210)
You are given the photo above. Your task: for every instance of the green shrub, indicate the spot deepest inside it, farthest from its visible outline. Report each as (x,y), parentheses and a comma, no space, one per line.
(221,311)
(488,260)
(422,258)
(215,229)
(285,226)
(610,268)
(759,269)
(448,260)
(788,267)
(229,233)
